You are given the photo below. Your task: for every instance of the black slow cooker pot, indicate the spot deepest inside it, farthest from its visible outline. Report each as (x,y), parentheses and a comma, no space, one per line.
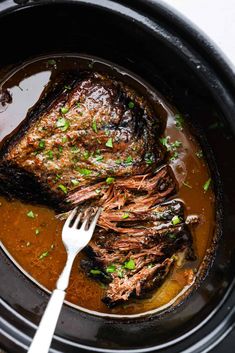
(150,40)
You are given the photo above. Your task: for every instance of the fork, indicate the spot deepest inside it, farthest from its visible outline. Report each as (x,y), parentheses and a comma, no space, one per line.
(74,239)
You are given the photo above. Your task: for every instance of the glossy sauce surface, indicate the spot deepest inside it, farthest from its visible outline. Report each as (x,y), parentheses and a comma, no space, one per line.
(35,242)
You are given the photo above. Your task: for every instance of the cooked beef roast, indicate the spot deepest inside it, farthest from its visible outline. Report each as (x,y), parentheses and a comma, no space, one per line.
(92,129)
(95,142)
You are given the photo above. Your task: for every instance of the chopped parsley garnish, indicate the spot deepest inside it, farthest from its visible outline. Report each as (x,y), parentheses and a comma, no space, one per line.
(78,105)
(207,185)
(164,141)
(60,149)
(94,126)
(176,144)
(109,143)
(174,156)
(64,139)
(30,214)
(150,265)
(67,87)
(63,188)
(99,158)
(199,154)
(75,182)
(125,215)
(64,110)
(110,268)
(187,185)
(179,121)
(63,124)
(95,272)
(110,180)
(171,235)
(75,149)
(37,231)
(129,160)
(43,255)
(149,158)
(98,191)
(130,265)
(50,154)
(118,161)
(57,177)
(84,171)
(41,144)
(86,154)
(51,62)
(175,220)
(131,105)
(120,273)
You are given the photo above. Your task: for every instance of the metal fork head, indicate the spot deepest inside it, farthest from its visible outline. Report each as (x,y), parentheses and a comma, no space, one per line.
(75,236)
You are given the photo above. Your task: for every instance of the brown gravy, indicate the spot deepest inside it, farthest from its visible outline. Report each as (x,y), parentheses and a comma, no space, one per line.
(35,243)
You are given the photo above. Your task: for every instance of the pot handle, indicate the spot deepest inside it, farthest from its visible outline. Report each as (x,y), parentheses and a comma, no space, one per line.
(42,339)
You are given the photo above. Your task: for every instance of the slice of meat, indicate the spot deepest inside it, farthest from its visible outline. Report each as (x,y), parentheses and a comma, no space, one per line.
(94,128)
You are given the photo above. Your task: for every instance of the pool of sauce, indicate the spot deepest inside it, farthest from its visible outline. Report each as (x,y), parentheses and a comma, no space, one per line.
(35,243)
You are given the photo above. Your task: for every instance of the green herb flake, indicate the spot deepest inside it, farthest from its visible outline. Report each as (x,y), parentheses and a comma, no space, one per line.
(50,155)
(130,265)
(97,191)
(41,144)
(125,215)
(64,110)
(176,144)
(179,121)
(109,143)
(60,149)
(43,255)
(120,273)
(75,149)
(64,139)
(199,154)
(57,177)
(110,268)
(150,265)
(86,154)
(37,231)
(83,171)
(95,272)
(75,182)
(131,105)
(129,160)
(110,180)
(164,141)
(51,62)
(187,185)
(63,188)
(99,158)
(62,124)
(207,185)
(174,156)
(149,158)
(78,105)
(175,220)
(94,126)
(67,87)
(30,214)
(171,235)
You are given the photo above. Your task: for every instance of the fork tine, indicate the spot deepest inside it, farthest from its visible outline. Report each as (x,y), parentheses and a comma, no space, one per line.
(95,219)
(77,220)
(70,217)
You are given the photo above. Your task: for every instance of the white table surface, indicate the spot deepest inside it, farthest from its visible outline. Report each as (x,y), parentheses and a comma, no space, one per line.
(215,17)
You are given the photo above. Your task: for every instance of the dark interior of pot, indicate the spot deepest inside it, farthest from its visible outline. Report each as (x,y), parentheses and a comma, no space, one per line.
(179,69)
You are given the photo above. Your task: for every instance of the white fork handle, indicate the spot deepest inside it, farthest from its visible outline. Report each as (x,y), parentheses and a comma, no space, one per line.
(42,339)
